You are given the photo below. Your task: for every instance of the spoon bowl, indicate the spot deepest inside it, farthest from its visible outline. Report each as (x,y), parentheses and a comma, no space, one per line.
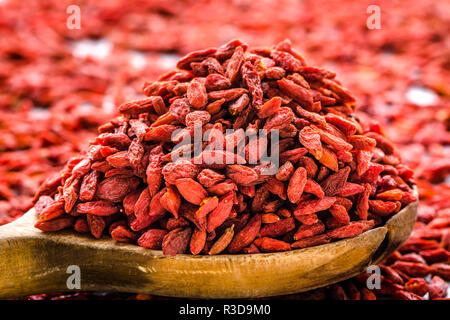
(34,262)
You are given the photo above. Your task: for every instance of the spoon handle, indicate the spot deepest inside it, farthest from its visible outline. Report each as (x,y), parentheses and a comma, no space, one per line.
(22,269)
(32,262)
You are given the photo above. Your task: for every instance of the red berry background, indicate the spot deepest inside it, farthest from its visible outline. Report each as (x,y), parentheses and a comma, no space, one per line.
(58,85)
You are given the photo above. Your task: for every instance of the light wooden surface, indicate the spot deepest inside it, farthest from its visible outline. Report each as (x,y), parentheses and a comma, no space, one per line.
(33,262)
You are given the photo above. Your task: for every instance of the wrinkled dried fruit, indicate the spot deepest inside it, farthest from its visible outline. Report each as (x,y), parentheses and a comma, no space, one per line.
(176,241)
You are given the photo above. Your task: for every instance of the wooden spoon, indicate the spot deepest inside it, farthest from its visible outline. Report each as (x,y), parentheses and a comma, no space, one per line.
(34,262)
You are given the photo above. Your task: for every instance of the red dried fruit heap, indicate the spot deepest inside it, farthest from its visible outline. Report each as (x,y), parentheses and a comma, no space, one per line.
(337,177)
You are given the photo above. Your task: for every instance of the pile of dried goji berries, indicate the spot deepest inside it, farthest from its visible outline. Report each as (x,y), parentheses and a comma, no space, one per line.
(52,97)
(336,178)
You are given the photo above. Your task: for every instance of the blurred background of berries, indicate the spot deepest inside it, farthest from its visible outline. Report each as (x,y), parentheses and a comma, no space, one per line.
(57,85)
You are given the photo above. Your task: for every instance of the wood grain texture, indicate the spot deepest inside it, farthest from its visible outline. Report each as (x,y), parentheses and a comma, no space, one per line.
(33,262)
